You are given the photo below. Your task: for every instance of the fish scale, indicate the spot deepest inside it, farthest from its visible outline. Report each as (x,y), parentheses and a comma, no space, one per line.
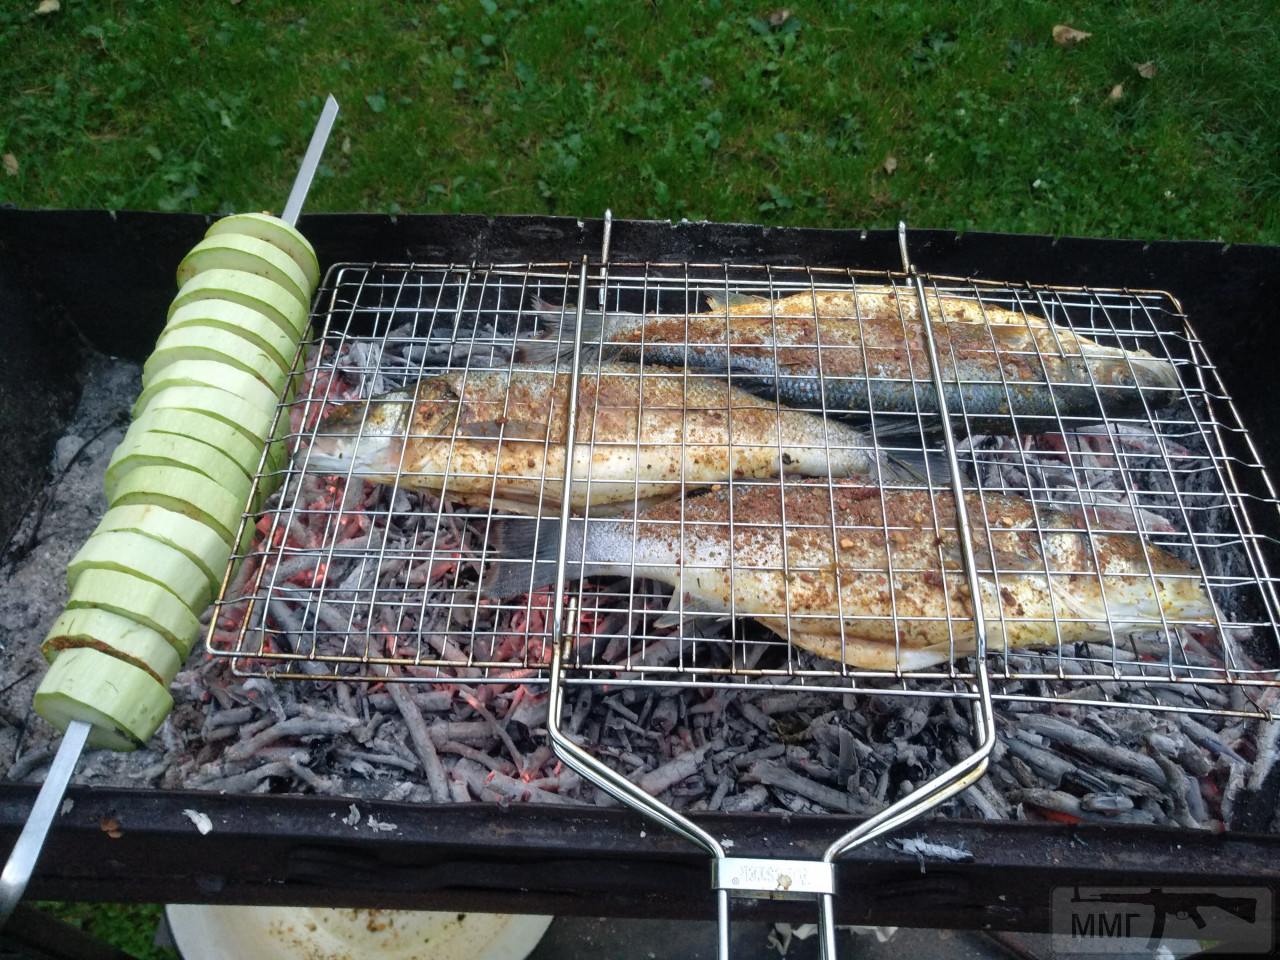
(827,354)
(850,586)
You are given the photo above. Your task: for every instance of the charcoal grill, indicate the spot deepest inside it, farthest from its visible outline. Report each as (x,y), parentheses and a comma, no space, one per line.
(479,242)
(375,318)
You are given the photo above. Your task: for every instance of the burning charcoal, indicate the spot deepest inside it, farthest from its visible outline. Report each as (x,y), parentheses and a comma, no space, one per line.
(1095,748)
(422,743)
(1176,790)
(1105,803)
(669,774)
(775,775)
(30,761)
(295,727)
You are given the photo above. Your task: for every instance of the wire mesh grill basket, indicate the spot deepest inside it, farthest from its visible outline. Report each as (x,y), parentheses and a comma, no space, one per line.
(380,581)
(734,475)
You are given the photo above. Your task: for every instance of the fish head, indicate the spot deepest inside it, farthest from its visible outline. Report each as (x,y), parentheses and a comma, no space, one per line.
(368,437)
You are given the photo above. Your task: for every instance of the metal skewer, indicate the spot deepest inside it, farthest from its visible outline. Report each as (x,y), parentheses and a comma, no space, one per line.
(22,858)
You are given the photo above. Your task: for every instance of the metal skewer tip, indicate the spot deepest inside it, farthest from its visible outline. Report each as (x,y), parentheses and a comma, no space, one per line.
(310,162)
(22,859)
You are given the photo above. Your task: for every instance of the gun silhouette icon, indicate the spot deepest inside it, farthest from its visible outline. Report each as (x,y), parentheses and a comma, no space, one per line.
(1181,905)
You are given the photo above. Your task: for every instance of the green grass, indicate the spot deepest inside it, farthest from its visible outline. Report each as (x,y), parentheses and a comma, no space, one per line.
(660,109)
(130,927)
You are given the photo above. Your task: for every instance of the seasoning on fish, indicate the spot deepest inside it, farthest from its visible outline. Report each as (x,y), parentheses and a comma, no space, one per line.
(498,436)
(827,352)
(726,550)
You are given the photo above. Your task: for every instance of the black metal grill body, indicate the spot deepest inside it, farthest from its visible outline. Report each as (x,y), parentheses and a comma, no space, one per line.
(71,279)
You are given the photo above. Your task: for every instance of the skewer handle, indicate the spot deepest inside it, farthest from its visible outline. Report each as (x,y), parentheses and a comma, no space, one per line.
(22,859)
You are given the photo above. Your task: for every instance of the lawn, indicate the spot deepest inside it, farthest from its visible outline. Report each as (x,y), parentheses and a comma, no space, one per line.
(957,115)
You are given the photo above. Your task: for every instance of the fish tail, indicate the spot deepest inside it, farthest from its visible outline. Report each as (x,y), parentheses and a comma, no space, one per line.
(916,467)
(522,552)
(1149,370)
(1154,372)
(555,342)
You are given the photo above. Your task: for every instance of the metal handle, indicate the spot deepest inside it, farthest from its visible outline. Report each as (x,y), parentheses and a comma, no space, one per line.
(973,767)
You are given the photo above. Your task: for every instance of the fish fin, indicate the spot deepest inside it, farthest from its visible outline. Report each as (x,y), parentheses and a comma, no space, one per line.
(735,300)
(521,556)
(692,610)
(890,428)
(555,343)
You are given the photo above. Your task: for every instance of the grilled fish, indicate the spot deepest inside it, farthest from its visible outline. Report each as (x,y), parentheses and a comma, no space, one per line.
(825,351)
(835,583)
(498,436)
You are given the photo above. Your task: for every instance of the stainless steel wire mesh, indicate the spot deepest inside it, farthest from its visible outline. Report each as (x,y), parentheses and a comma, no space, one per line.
(349,578)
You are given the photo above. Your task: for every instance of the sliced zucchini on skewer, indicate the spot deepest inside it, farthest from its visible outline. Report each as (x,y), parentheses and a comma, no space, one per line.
(275,231)
(251,421)
(124,704)
(237,319)
(261,294)
(186,492)
(208,373)
(146,559)
(217,345)
(115,635)
(144,449)
(201,544)
(138,600)
(236,252)
(204,428)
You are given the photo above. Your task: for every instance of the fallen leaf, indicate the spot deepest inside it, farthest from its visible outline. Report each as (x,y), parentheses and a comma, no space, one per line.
(890,164)
(47,7)
(1065,36)
(346,144)
(779,17)
(376,101)
(111,827)
(1146,70)
(1116,92)
(10,164)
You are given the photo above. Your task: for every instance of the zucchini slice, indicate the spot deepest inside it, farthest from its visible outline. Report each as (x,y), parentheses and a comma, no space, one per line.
(206,548)
(117,636)
(141,448)
(204,428)
(231,251)
(274,231)
(263,295)
(208,373)
(244,322)
(125,705)
(217,345)
(250,421)
(186,492)
(146,559)
(138,600)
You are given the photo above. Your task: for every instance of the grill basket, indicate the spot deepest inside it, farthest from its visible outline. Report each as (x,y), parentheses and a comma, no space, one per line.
(347,580)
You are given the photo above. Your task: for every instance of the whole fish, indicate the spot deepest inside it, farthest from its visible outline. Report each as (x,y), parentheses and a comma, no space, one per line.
(835,583)
(830,352)
(498,437)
